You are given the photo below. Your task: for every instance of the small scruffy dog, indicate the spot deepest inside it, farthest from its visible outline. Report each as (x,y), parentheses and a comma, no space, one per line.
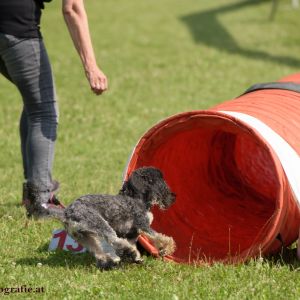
(119,219)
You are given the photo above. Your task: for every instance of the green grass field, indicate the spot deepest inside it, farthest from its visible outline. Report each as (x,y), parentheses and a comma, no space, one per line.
(161,58)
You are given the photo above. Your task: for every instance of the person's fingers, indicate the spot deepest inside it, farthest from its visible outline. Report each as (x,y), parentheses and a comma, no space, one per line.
(97,90)
(102,86)
(98,83)
(103,83)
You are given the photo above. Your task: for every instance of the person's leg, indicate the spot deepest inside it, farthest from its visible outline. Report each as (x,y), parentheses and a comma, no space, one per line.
(23,119)
(23,136)
(27,65)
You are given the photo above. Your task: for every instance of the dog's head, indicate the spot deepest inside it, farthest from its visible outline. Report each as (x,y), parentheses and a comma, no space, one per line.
(148,183)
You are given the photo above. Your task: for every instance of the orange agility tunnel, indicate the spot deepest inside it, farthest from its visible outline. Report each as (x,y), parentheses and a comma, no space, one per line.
(235,169)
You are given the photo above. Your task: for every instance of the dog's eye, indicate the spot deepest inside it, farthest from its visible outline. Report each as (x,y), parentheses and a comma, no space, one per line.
(147,179)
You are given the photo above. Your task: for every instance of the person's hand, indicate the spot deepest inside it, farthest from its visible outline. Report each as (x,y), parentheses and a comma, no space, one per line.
(97,80)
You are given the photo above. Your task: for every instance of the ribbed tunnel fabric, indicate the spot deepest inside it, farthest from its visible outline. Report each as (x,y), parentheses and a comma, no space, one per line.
(234,198)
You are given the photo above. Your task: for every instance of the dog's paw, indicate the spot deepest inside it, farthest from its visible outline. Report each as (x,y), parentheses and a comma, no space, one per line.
(139,261)
(107,264)
(166,246)
(162,252)
(129,254)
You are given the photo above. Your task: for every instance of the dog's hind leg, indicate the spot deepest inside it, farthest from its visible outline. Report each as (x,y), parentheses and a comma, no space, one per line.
(124,249)
(92,242)
(96,224)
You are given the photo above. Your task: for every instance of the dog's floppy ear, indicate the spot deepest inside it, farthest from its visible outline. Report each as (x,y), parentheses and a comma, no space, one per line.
(126,189)
(134,186)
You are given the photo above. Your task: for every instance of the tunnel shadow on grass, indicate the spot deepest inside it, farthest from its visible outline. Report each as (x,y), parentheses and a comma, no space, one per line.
(206,29)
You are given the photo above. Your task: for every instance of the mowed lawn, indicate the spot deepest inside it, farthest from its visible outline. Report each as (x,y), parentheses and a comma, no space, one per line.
(161,58)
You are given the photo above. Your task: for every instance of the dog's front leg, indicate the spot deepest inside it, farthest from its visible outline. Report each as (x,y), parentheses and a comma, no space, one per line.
(165,244)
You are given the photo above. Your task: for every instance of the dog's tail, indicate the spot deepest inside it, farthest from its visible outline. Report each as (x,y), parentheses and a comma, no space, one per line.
(56,213)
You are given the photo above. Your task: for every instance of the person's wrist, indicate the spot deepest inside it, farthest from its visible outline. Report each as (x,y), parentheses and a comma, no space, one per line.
(89,64)
(89,68)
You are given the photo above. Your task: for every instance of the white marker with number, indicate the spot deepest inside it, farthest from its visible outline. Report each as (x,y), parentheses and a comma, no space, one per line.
(61,240)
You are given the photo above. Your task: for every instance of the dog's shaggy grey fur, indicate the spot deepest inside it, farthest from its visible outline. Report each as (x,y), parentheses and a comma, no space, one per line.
(119,219)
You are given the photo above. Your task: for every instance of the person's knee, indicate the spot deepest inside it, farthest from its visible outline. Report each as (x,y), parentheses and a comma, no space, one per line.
(40,112)
(44,116)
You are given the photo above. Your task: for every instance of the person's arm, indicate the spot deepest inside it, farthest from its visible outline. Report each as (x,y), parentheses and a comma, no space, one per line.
(77,23)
